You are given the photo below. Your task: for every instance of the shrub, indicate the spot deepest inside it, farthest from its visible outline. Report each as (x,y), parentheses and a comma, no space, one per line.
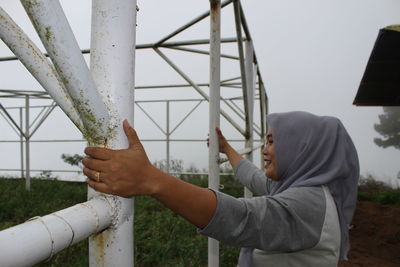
(370,184)
(372,190)
(391,197)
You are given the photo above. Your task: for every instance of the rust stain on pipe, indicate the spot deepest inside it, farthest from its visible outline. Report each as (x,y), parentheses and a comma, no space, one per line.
(98,241)
(215,7)
(215,4)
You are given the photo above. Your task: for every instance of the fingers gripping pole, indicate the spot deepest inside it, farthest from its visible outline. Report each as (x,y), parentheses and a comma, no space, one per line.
(52,26)
(37,64)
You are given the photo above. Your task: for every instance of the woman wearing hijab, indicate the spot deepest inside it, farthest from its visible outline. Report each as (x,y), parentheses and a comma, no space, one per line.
(303,210)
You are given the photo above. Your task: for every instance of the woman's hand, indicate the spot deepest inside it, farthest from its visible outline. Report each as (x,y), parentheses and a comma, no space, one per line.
(125,172)
(128,172)
(223,144)
(224,147)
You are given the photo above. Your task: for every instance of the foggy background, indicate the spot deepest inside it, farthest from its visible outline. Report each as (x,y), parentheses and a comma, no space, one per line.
(312,55)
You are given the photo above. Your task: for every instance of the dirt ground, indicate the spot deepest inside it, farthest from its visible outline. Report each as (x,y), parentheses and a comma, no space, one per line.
(375,236)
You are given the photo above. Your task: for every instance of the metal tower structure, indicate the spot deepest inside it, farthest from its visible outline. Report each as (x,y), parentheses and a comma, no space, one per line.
(97,100)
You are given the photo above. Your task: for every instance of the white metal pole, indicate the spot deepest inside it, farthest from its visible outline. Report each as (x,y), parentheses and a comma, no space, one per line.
(215,78)
(37,64)
(27,151)
(167,138)
(41,237)
(56,35)
(238,24)
(263,119)
(21,140)
(112,63)
(250,87)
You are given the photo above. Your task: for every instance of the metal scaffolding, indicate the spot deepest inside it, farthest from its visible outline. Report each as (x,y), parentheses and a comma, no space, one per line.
(84,95)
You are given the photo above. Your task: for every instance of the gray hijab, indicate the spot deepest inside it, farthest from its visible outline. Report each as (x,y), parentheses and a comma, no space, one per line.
(315,150)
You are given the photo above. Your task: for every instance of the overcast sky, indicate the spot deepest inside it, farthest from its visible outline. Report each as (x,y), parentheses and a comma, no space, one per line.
(312,55)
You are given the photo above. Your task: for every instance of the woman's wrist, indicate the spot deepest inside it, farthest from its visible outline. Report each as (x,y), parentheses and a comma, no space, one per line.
(195,204)
(156,181)
(233,156)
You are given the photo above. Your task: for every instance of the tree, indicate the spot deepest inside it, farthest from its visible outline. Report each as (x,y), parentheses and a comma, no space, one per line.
(73,160)
(175,165)
(389,128)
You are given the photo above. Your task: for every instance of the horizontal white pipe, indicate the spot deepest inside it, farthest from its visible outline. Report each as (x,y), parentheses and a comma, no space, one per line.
(42,170)
(37,64)
(41,237)
(19,92)
(142,140)
(56,34)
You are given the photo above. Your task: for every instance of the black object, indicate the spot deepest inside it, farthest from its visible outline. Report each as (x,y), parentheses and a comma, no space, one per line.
(380,85)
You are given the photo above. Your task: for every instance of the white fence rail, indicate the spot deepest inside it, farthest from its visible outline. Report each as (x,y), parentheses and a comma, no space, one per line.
(41,237)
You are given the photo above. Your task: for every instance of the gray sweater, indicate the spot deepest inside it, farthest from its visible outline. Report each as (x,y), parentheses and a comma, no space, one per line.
(284,229)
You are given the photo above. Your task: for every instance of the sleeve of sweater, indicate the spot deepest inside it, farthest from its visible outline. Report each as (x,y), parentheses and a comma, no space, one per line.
(289,221)
(252,177)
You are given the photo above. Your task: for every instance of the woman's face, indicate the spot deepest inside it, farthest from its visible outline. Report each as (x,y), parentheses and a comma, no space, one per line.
(269,158)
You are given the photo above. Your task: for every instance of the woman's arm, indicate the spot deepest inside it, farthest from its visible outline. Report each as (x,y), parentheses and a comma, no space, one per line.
(289,221)
(128,172)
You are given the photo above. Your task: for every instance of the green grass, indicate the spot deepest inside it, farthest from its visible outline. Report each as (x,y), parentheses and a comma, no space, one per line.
(18,205)
(389,197)
(161,237)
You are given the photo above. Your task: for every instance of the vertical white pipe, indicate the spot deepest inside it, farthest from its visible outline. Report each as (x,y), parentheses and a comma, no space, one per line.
(238,24)
(56,35)
(112,65)
(215,66)
(21,140)
(167,136)
(27,151)
(250,86)
(37,64)
(263,118)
